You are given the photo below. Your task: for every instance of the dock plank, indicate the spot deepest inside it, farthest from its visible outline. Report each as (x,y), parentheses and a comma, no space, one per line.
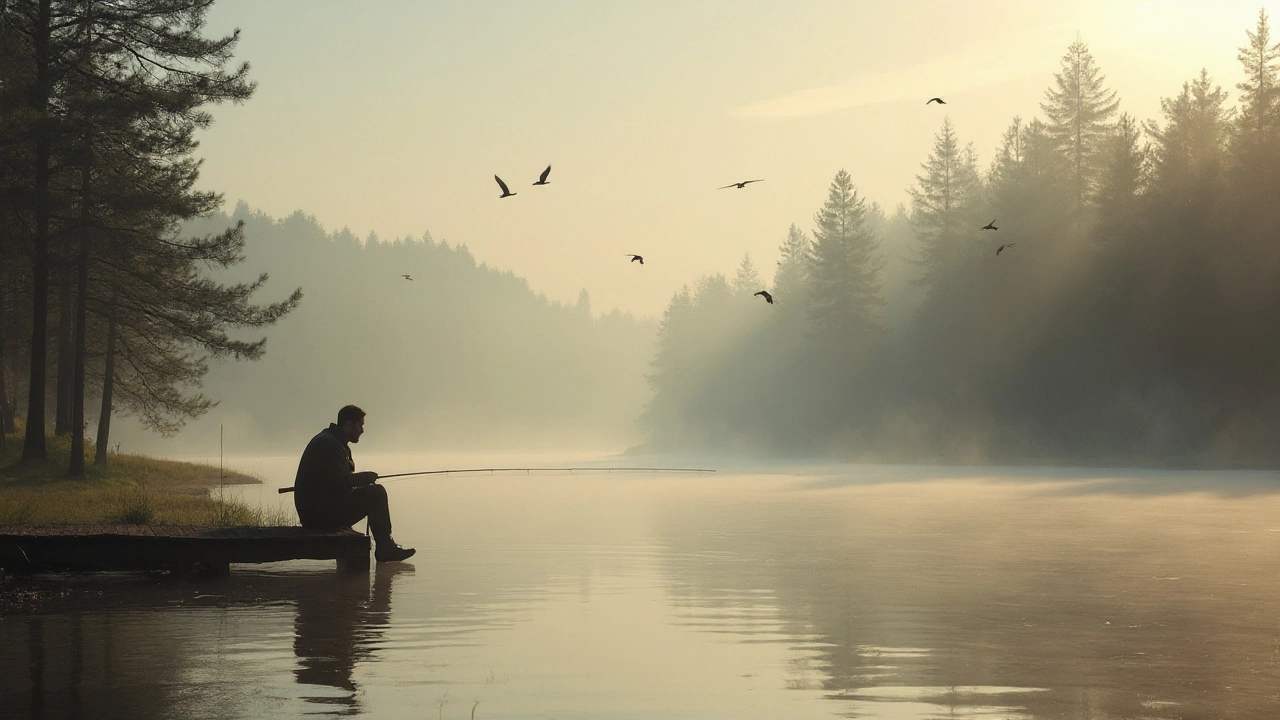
(151,547)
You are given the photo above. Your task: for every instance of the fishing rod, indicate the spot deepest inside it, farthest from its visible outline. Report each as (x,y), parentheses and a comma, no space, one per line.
(570,470)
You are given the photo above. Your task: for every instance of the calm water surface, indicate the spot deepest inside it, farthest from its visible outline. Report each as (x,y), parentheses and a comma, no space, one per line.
(839,591)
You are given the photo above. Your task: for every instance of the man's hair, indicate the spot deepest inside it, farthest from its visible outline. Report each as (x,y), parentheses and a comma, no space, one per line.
(350,412)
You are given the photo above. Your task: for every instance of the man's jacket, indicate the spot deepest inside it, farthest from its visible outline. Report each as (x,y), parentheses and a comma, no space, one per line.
(326,474)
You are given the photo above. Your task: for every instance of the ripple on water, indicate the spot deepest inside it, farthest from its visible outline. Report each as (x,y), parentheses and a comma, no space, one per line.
(907,702)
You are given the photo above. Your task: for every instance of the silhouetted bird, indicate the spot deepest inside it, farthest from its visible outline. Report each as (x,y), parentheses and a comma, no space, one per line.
(635,258)
(740,185)
(542,179)
(990,226)
(505,191)
(940,101)
(764,294)
(407,277)
(1002,247)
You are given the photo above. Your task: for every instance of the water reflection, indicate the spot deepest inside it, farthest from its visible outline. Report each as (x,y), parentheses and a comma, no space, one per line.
(339,624)
(976,600)
(741,597)
(143,646)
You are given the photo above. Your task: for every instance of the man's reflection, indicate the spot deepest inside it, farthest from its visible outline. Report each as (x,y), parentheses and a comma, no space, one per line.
(339,621)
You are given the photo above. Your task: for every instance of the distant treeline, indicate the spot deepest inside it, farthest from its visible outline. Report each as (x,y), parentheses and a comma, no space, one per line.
(460,356)
(1132,320)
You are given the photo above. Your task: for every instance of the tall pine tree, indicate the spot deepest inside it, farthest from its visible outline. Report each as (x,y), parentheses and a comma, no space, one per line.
(1079,108)
(1256,138)
(944,208)
(845,300)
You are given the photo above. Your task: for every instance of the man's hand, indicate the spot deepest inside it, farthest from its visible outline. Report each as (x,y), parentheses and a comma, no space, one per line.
(361,479)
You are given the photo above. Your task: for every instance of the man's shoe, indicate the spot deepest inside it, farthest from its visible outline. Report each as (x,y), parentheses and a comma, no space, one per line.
(394,553)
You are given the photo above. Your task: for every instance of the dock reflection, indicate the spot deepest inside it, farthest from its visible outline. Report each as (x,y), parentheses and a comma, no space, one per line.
(147,646)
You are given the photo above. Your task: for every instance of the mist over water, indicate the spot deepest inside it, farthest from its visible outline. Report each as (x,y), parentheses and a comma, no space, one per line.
(837,590)
(1067,267)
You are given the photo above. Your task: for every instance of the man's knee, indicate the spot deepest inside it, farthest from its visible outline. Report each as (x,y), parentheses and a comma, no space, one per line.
(373,494)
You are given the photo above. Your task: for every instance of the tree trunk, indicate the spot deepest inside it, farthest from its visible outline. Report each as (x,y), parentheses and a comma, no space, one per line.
(34,446)
(76,468)
(78,425)
(108,385)
(62,391)
(5,425)
(8,413)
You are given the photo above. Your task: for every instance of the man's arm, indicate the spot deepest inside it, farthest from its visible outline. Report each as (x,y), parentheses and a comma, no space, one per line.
(331,467)
(345,475)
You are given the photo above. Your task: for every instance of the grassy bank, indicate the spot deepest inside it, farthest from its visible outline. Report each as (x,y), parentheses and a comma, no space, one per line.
(131,489)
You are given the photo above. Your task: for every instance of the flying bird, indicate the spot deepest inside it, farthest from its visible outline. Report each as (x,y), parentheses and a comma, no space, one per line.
(764,294)
(940,101)
(635,258)
(505,191)
(1002,247)
(542,179)
(990,226)
(407,277)
(740,185)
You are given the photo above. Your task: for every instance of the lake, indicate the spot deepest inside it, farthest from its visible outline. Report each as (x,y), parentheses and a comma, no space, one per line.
(772,591)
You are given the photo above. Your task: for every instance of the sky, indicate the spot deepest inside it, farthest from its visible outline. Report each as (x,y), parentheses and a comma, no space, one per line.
(393,116)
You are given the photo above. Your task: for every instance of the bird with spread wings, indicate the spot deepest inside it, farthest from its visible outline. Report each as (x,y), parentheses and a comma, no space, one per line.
(740,185)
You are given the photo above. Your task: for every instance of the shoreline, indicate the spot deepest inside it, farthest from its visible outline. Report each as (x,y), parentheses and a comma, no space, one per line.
(130,489)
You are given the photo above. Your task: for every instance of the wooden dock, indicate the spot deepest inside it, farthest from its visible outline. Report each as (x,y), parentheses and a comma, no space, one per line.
(181,548)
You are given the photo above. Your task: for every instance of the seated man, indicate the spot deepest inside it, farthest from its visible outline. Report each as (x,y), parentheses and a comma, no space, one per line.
(330,494)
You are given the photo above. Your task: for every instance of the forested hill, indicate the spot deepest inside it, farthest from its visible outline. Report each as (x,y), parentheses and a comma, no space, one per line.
(462,356)
(1105,289)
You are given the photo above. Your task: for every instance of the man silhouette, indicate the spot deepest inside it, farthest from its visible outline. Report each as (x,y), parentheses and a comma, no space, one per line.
(330,494)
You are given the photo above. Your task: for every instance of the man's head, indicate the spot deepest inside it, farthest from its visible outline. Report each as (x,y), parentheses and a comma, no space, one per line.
(351,423)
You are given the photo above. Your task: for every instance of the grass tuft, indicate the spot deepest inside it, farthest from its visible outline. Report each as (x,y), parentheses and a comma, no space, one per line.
(136,507)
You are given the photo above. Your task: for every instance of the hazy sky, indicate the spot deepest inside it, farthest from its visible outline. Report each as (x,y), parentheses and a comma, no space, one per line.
(393,116)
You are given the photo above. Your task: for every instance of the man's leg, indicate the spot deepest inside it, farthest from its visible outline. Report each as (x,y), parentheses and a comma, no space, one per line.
(372,500)
(333,517)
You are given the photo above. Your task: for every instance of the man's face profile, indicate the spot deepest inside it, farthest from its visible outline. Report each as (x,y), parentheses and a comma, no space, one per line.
(353,429)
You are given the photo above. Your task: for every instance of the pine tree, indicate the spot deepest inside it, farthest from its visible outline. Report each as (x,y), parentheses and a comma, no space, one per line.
(1120,184)
(845,301)
(747,280)
(1010,155)
(12,249)
(142,73)
(1123,171)
(1079,108)
(944,203)
(1188,152)
(792,275)
(1185,316)
(100,148)
(1120,234)
(40,125)
(1257,128)
(669,374)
